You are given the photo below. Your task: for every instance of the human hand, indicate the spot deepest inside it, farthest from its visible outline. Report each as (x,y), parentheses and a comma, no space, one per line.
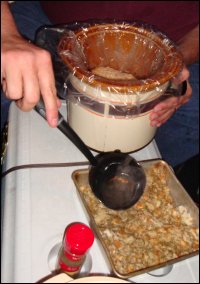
(27,74)
(165,109)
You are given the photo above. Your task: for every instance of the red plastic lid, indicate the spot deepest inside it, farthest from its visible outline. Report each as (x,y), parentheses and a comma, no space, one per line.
(78,238)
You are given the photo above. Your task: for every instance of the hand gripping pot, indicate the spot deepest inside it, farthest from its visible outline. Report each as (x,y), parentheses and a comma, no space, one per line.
(118,73)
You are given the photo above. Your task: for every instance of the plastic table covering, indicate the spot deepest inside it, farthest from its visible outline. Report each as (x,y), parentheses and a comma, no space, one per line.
(38,203)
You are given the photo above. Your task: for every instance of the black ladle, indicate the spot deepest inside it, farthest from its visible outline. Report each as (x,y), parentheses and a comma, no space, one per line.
(118,180)
(115,178)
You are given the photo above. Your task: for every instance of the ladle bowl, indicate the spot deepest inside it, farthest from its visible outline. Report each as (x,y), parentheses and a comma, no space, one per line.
(115,178)
(118,180)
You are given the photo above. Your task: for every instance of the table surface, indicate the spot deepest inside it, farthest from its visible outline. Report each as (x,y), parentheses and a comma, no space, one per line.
(38,203)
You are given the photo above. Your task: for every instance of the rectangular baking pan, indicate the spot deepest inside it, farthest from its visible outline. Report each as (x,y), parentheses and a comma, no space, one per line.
(180,198)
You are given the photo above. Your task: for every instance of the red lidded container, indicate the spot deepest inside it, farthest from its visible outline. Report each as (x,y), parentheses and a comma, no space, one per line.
(77,240)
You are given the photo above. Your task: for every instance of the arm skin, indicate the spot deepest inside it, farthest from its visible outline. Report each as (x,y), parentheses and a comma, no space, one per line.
(189,47)
(26,70)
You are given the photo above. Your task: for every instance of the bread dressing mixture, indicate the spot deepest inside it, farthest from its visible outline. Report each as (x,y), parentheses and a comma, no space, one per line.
(111,73)
(151,232)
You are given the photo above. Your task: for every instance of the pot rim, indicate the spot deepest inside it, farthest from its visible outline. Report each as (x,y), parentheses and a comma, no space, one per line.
(169,70)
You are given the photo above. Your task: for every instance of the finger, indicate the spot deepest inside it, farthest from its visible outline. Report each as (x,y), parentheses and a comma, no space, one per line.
(13,83)
(164,111)
(162,118)
(58,103)
(31,91)
(182,76)
(48,90)
(167,104)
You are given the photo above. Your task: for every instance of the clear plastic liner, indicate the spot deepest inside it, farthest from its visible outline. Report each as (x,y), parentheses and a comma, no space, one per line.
(114,69)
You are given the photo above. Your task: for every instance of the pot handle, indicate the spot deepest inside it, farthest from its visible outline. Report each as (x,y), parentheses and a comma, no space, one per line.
(175,91)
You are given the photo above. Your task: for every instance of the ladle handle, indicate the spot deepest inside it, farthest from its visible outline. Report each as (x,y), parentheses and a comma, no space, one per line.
(64,127)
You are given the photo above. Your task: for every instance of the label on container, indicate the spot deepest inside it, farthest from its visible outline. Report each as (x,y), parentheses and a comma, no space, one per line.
(70,263)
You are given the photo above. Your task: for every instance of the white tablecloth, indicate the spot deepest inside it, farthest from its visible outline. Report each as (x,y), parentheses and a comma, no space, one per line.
(38,203)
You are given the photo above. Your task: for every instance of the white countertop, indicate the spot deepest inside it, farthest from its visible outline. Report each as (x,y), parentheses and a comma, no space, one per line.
(38,203)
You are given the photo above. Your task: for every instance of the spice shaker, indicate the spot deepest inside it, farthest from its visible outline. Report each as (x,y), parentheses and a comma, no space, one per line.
(77,240)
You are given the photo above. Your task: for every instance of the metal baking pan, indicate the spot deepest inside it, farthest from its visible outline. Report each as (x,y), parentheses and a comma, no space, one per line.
(109,224)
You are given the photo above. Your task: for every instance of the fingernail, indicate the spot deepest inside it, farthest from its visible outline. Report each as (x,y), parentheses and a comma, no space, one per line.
(154,116)
(158,108)
(153,123)
(54,122)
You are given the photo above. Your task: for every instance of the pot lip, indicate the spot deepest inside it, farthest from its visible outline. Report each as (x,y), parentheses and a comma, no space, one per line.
(168,71)
(112,96)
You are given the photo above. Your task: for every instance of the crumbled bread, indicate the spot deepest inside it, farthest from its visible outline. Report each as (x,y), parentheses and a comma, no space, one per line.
(149,233)
(111,73)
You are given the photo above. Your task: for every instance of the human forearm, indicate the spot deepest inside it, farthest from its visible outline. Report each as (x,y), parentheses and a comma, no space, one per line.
(26,70)
(8,26)
(189,46)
